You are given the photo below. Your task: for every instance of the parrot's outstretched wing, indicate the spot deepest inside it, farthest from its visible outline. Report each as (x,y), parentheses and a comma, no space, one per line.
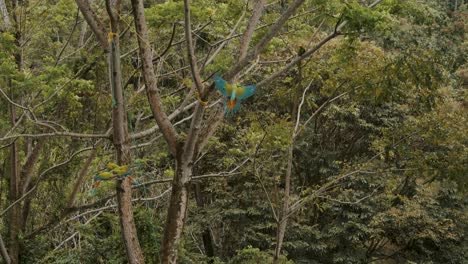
(220,84)
(246,92)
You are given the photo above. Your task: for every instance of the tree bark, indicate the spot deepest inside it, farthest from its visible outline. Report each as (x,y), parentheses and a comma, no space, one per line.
(165,125)
(272,31)
(283,220)
(122,146)
(28,167)
(248,33)
(94,22)
(4,251)
(110,43)
(15,219)
(176,213)
(15,212)
(184,156)
(81,39)
(191,50)
(25,179)
(5,15)
(81,176)
(206,236)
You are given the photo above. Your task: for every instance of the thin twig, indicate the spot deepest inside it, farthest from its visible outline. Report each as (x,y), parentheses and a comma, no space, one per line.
(74,234)
(348,202)
(56,134)
(191,49)
(222,174)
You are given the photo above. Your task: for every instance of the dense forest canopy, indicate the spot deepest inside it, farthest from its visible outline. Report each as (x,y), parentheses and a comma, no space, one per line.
(129,134)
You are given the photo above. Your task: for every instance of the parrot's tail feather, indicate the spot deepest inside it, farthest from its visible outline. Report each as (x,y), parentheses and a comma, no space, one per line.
(231,104)
(230,111)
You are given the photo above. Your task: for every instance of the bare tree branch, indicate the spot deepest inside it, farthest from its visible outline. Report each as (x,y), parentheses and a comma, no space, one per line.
(191,49)
(297,60)
(223,173)
(57,60)
(12,102)
(349,202)
(298,118)
(310,52)
(3,249)
(28,167)
(251,25)
(56,134)
(5,15)
(155,128)
(76,233)
(93,21)
(107,207)
(329,101)
(261,27)
(272,31)
(299,203)
(167,129)
(80,178)
(223,43)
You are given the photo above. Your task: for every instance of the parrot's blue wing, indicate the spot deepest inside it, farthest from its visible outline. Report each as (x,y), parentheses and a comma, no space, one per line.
(100,178)
(249,90)
(220,84)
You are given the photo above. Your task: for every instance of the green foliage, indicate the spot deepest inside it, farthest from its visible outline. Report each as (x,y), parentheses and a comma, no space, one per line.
(362,18)
(250,255)
(394,109)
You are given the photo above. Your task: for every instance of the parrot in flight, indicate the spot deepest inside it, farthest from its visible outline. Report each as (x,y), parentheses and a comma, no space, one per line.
(234,94)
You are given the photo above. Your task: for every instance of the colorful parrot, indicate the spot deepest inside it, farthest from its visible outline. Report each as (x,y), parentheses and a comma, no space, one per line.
(104,176)
(234,94)
(112,171)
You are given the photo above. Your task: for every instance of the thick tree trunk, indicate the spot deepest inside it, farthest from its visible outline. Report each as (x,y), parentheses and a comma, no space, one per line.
(206,236)
(178,203)
(177,212)
(5,15)
(15,212)
(110,42)
(15,180)
(122,147)
(176,215)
